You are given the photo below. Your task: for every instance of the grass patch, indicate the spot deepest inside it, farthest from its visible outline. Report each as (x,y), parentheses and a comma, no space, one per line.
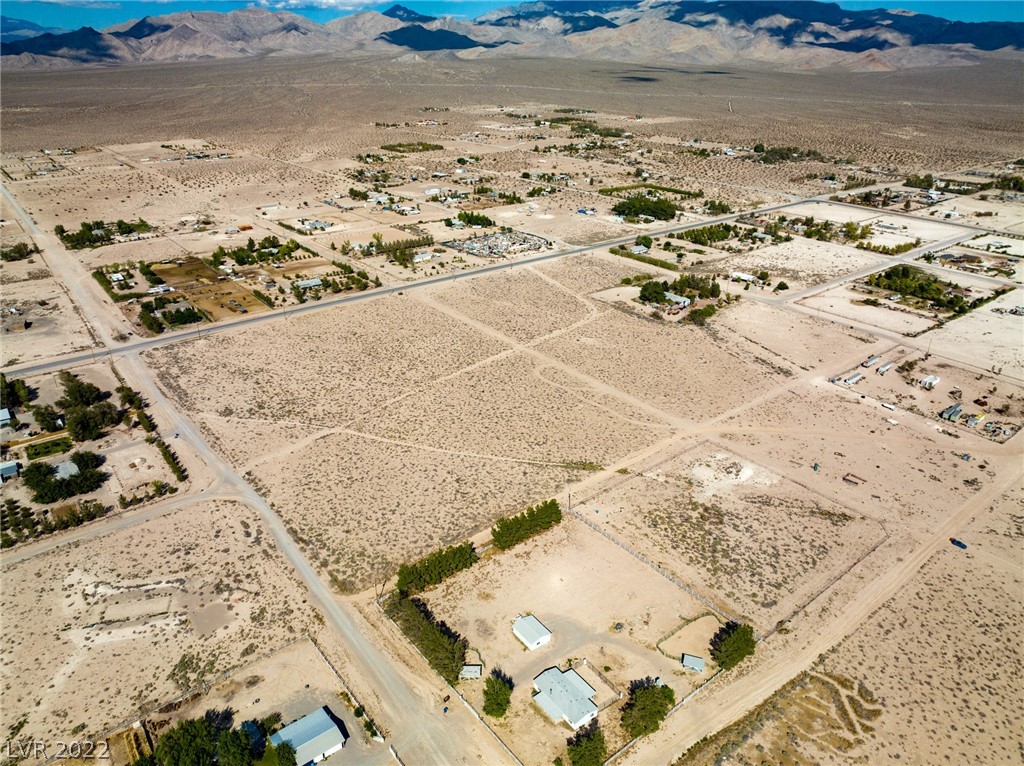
(47,448)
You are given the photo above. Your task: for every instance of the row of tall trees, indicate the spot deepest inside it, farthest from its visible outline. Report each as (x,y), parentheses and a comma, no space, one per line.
(432,569)
(532,521)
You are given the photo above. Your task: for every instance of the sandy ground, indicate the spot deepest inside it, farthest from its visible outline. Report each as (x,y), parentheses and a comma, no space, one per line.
(385,430)
(800,263)
(197,590)
(757,545)
(886,696)
(55,325)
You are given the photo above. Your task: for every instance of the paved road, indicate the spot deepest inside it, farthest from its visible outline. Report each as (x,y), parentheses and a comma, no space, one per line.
(142,344)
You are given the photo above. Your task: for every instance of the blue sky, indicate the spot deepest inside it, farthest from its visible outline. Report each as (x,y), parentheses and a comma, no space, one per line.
(72,14)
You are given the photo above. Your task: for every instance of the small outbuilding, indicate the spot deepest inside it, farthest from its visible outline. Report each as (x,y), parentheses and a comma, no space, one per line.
(5,417)
(693,662)
(471,672)
(531,632)
(9,470)
(314,737)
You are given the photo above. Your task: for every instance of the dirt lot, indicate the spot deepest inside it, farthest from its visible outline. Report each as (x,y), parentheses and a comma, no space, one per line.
(54,324)
(885,696)
(583,587)
(758,545)
(800,263)
(193,592)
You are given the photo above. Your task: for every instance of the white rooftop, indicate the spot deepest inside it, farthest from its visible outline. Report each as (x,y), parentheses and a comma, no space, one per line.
(312,736)
(530,630)
(564,696)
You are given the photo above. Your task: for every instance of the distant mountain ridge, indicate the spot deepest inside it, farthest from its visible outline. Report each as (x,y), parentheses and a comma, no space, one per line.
(19,29)
(778,34)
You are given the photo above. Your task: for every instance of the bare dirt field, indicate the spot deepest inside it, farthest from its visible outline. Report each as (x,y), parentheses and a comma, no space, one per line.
(884,695)
(580,586)
(47,322)
(167,604)
(744,537)
(800,263)
(843,302)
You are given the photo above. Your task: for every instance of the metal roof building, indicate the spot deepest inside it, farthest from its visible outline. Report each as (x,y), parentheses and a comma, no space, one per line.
(471,672)
(692,662)
(314,737)
(5,417)
(531,632)
(8,470)
(305,284)
(66,470)
(564,696)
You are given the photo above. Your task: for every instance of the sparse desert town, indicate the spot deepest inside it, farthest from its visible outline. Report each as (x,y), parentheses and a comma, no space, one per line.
(564,384)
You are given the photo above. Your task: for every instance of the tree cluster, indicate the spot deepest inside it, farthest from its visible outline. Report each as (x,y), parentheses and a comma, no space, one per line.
(46,488)
(18,252)
(14,393)
(497,694)
(432,569)
(640,204)
(97,233)
(444,649)
(732,644)
(647,707)
(532,521)
(470,218)
(203,741)
(588,747)
(709,235)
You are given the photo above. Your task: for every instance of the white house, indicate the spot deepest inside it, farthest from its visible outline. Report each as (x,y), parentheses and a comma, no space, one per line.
(314,737)
(564,696)
(531,632)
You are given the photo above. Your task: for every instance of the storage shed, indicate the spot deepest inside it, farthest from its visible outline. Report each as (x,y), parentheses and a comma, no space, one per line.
(531,632)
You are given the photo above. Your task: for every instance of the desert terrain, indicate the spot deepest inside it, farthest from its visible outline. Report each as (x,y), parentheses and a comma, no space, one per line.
(364,354)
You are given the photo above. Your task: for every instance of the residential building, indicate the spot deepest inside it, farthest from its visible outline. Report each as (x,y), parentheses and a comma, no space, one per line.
(694,663)
(314,737)
(9,470)
(565,696)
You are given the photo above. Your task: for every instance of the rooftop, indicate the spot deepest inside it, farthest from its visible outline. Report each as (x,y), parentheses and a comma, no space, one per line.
(565,696)
(530,630)
(311,735)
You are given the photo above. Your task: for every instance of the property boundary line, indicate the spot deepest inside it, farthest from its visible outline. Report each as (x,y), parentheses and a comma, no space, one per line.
(454,691)
(640,557)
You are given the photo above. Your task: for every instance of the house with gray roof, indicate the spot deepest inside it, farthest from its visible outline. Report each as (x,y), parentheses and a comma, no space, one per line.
(314,737)
(565,696)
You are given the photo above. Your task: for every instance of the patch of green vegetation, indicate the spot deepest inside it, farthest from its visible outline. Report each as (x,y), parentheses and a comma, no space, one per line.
(534,520)
(18,252)
(412,147)
(47,448)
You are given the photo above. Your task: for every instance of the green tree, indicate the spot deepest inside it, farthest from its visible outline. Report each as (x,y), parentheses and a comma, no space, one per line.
(647,707)
(497,694)
(588,747)
(46,417)
(285,754)
(234,749)
(77,393)
(188,743)
(732,644)
(653,292)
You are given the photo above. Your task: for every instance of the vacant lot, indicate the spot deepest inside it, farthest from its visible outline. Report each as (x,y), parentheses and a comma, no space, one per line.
(884,695)
(168,603)
(756,544)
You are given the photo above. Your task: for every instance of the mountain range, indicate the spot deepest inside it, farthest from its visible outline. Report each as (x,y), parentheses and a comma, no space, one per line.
(777,34)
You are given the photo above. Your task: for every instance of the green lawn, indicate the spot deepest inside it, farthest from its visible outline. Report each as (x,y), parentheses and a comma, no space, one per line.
(47,448)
